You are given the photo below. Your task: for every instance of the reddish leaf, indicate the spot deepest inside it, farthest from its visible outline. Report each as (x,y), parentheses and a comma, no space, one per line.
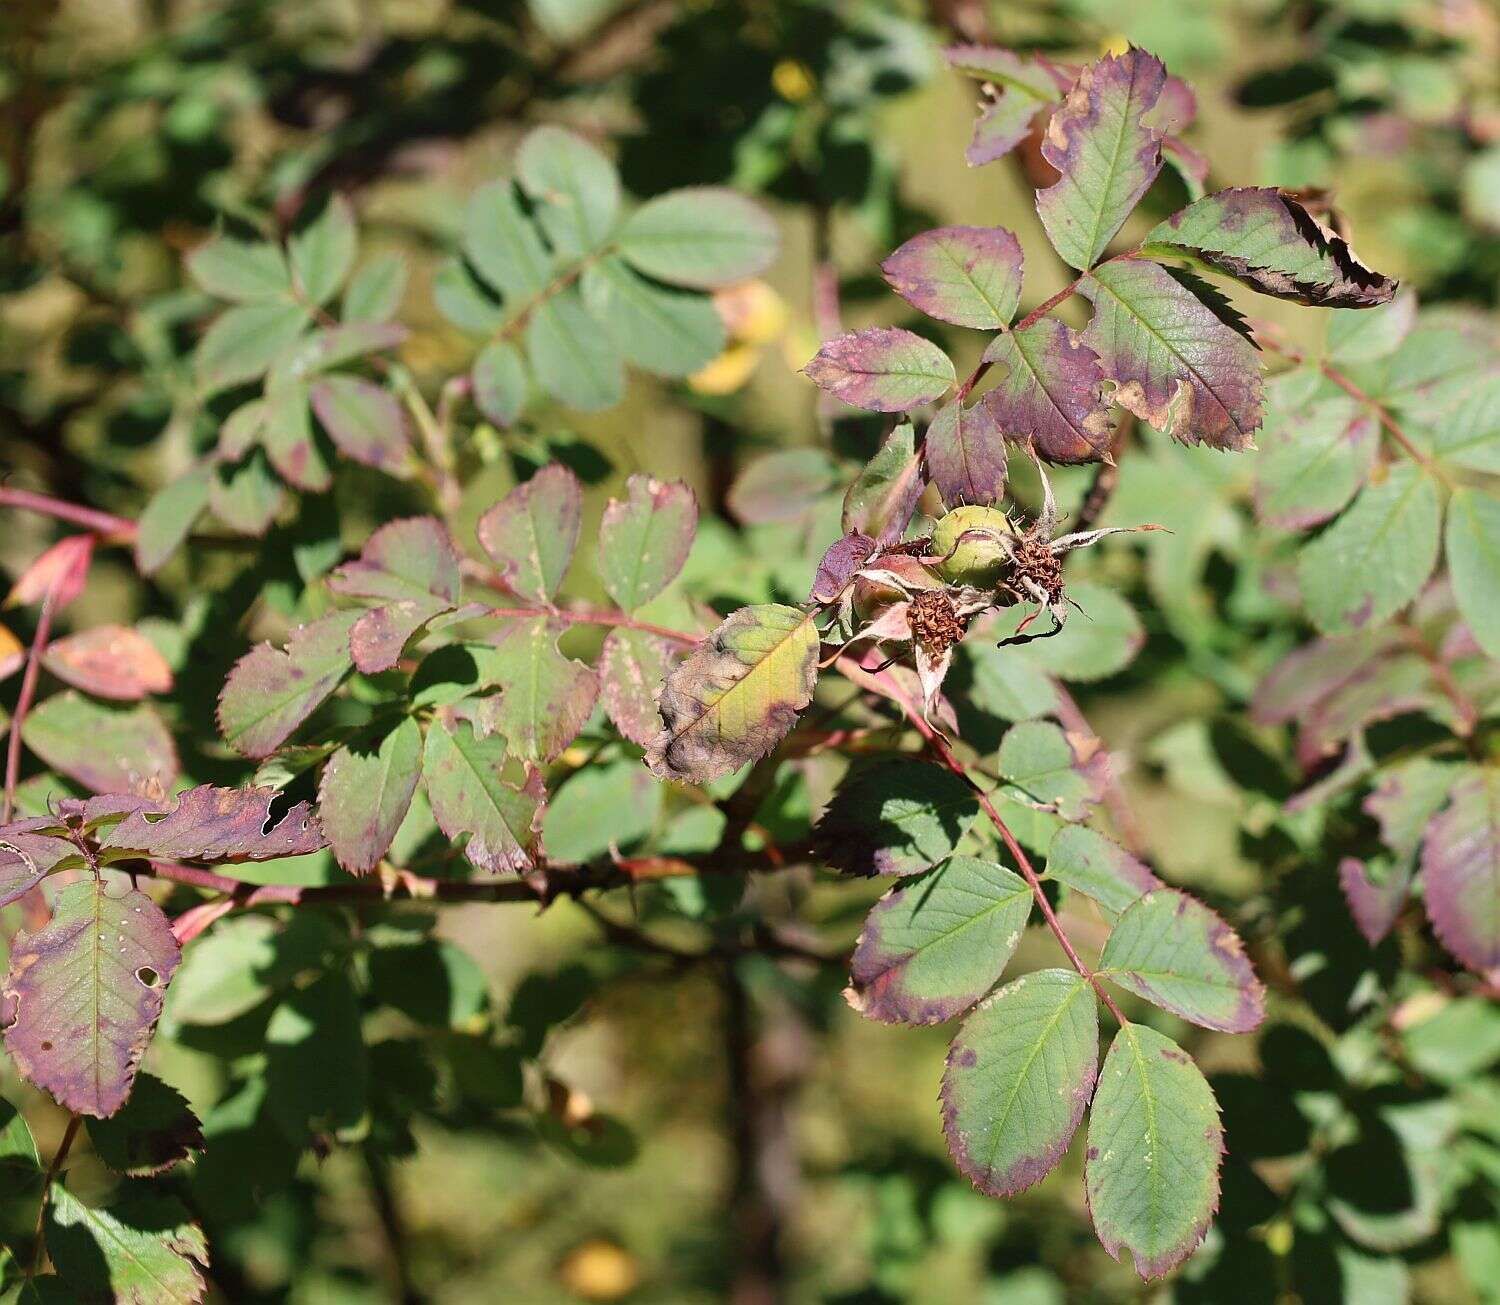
(966,455)
(532,532)
(1461,871)
(217,825)
(30,850)
(970,276)
(844,557)
(61,571)
(632,667)
(365,421)
(108,749)
(1048,390)
(883,369)
(109,661)
(1374,903)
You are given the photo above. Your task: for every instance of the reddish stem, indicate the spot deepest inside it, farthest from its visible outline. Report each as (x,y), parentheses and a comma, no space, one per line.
(883,685)
(23,703)
(613,619)
(104,524)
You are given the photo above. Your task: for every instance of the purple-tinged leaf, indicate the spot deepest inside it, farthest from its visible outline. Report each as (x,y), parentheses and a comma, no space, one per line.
(1016,90)
(1375,558)
(1375,900)
(109,661)
(411,569)
(1002,124)
(1106,151)
(365,421)
(1383,690)
(1266,240)
(737,694)
(1176,363)
(1179,955)
(1051,770)
(84,993)
(896,817)
(1461,870)
(882,498)
(840,563)
(966,456)
(645,538)
(782,486)
(154,1131)
(106,749)
(882,369)
(1088,863)
(935,945)
(142,1247)
(1408,795)
(462,774)
(970,276)
(632,668)
(365,792)
(546,699)
(1313,461)
(217,825)
(531,533)
(1308,675)
(1190,164)
(1005,68)
(286,434)
(269,692)
(28,855)
(1151,1175)
(1019,1077)
(1048,390)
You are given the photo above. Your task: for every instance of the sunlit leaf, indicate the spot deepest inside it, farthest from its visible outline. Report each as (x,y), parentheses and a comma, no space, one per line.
(1154,1146)
(245,340)
(109,661)
(107,749)
(375,293)
(30,850)
(1043,767)
(668,332)
(970,276)
(1312,461)
(882,369)
(632,668)
(737,694)
(322,253)
(1019,1076)
(936,944)
(500,385)
(531,533)
(572,357)
(881,499)
(700,237)
(462,775)
(365,420)
(1091,864)
(170,516)
(1048,390)
(1472,547)
(270,692)
(502,242)
(645,538)
(1179,955)
(142,1247)
(84,993)
(246,497)
(240,270)
(546,698)
(217,824)
(365,791)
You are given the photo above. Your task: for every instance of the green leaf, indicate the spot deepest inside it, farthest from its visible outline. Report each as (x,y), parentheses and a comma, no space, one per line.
(241,962)
(85,992)
(244,341)
(1376,557)
(1018,1079)
(701,237)
(882,369)
(499,379)
(531,533)
(1039,761)
(240,270)
(970,276)
(599,808)
(895,817)
(881,499)
(576,188)
(19,1162)
(1266,240)
(154,1131)
(433,982)
(1103,641)
(1472,542)
(503,244)
(287,437)
(935,945)
(1457,1042)
(1179,955)
(1176,362)
(316,1065)
(1108,155)
(170,516)
(1091,864)
(108,749)
(572,357)
(365,420)
(1152,1172)
(645,538)
(1007,684)
(322,253)
(247,497)
(463,302)
(364,794)
(668,332)
(375,293)
(546,698)
(1313,459)
(269,692)
(1358,336)
(462,774)
(737,694)
(142,1248)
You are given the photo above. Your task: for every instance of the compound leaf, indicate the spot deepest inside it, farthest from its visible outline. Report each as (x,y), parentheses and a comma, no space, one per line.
(503,243)
(896,817)
(936,944)
(1179,955)
(1152,1169)
(322,253)
(1040,762)
(84,993)
(645,538)
(970,276)
(1019,1076)
(667,332)
(576,188)
(1105,150)
(737,694)
(532,532)
(882,369)
(269,692)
